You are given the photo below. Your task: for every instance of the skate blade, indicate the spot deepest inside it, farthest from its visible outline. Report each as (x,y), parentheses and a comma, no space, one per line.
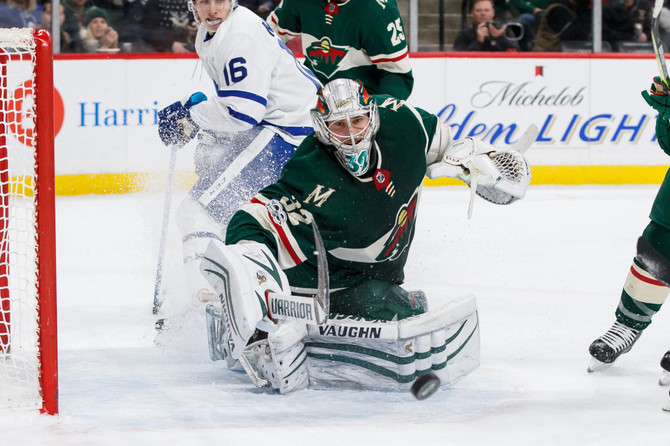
(597,366)
(664,380)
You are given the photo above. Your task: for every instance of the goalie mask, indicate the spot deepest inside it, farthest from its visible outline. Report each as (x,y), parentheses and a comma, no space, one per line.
(347,119)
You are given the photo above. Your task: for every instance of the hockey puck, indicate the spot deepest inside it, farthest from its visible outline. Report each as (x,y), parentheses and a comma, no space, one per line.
(425,386)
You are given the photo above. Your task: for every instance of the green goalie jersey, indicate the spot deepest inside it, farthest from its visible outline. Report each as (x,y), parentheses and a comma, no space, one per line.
(367,223)
(362,40)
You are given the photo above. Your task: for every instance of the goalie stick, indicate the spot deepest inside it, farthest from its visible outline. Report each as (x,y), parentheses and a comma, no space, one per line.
(158,292)
(288,306)
(657,43)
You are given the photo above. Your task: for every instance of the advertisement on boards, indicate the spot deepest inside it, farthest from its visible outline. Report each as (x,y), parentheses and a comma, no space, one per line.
(589,110)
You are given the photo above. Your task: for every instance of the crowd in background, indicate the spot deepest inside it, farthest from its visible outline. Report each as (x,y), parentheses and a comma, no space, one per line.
(557,25)
(91,26)
(495,25)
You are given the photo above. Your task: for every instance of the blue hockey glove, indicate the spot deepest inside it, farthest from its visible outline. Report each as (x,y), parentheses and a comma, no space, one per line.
(658,98)
(175,126)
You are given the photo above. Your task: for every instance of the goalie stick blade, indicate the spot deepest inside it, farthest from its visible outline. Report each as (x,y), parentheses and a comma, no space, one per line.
(657,43)
(526,140)
(322,297)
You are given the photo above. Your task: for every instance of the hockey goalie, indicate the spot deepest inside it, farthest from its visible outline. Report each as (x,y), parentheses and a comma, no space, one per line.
(298,307)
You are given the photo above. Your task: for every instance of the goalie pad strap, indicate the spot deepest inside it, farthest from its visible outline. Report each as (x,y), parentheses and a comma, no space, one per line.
(354,353)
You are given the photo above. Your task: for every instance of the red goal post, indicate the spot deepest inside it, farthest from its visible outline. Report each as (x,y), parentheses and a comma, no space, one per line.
(28,335)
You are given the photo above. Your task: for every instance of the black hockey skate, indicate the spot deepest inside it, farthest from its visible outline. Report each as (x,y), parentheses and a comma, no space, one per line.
(665,364)
(619,339)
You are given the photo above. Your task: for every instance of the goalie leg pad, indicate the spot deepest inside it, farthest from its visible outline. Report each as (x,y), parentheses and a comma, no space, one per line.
(359,354)
(280,360)
(240,276)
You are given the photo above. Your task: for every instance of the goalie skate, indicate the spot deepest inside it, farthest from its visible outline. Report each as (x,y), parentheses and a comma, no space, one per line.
(666,406)
(619,339)
(665,377)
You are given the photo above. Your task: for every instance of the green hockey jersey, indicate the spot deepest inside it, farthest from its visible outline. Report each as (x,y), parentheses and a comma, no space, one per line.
(367,224)
(362,40)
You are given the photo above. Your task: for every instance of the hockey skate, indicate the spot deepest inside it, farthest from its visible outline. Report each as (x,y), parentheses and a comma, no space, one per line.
(619,339)
(217,336)
(665,377)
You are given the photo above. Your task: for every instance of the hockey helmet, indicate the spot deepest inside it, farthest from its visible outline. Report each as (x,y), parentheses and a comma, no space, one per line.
(337,123)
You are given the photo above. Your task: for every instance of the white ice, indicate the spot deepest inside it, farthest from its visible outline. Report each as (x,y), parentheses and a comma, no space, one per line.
(547,273)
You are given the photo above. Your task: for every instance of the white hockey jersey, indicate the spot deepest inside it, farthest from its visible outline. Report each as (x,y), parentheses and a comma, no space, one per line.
(257,80)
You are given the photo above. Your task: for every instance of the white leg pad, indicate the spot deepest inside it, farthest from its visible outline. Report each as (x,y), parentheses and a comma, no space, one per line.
(353,353)
(240,276)
(281,359)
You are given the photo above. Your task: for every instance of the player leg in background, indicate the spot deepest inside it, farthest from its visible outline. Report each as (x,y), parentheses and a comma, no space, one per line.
(378,300)
(645,289)
(231,169)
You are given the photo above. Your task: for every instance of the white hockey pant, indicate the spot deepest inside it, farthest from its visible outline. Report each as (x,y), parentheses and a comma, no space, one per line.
(351,353)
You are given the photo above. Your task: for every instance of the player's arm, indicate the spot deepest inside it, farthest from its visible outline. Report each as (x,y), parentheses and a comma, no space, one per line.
(386,44)
(285,21)
(498,175)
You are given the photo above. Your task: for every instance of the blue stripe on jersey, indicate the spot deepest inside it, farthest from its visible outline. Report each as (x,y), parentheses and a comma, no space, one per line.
(242,117)
(295,131)
(242,94)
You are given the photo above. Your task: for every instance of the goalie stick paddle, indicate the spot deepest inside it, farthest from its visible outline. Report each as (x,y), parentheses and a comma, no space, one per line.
(322,296)
(288,306)
(657,43)
(158,292)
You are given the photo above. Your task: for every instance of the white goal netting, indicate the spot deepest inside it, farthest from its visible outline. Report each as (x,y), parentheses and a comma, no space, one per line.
(20,369)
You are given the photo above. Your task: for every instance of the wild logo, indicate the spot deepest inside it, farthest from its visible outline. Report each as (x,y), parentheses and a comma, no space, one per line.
(402,232)
(325,57)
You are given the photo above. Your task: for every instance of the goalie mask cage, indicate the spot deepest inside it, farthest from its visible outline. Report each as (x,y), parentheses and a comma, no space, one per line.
(28,347)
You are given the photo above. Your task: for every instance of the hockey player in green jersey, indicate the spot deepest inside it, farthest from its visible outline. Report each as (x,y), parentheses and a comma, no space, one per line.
(359,177)
(362,40)
(646,287)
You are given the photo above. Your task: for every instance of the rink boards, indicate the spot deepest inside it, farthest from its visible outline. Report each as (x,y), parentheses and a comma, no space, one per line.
(594,126)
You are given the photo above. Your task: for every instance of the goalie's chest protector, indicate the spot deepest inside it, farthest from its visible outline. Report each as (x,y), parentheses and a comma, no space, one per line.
(367,224)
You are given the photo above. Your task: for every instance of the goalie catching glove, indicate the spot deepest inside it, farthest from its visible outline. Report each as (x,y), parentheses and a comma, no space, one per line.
(175,126)
(500,176)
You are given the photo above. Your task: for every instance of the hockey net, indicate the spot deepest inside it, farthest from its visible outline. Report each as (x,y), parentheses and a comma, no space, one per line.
(28,348)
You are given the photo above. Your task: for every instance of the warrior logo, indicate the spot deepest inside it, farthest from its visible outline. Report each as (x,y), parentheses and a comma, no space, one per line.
(403,231)
(325,57)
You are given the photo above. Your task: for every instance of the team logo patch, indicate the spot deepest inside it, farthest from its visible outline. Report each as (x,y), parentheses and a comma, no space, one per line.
(402,232)
(325,57)
(260,278)
(276,211)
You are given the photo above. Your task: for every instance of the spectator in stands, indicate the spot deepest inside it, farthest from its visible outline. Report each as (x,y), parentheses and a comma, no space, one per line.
(485,34)
(74,15)
(97,34)
(68,43)
(262,8)
(167,26)
(20,14)
(626,21)
(563,20)
(529,14)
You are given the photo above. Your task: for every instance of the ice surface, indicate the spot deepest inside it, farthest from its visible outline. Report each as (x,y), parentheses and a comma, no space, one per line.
(547,273)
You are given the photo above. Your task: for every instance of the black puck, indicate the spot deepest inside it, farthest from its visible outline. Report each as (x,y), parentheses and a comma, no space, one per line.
(425,386)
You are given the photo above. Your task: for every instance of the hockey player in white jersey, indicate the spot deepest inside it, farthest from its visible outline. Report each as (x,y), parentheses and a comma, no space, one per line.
(247,130)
